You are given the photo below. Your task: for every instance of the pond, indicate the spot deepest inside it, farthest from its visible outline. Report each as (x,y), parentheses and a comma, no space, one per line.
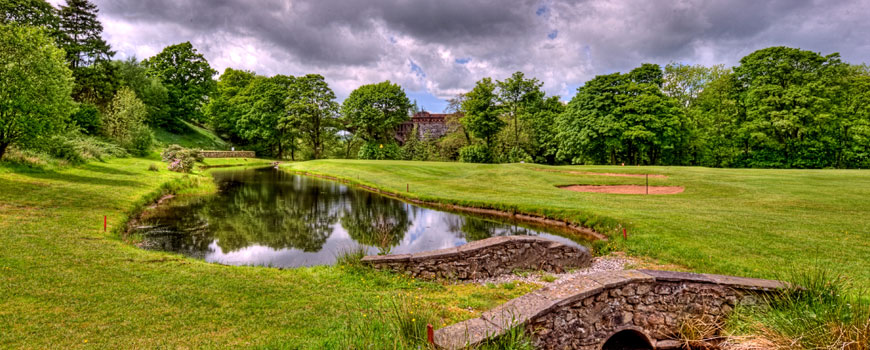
(269,217)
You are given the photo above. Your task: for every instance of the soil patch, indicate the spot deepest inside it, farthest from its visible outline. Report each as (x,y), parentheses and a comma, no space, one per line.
(658,176)
(624,189)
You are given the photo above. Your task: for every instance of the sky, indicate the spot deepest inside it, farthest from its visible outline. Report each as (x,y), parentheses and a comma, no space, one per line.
(439,48)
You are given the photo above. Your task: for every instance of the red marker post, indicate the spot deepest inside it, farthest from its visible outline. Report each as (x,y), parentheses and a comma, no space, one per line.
(105,223)
(430,334)
(624,234)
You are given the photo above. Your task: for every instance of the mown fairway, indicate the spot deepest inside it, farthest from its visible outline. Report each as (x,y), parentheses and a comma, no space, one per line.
(66,284)
(750,222)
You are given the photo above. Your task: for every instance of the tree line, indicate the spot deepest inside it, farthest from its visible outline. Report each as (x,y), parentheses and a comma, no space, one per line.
(779,107)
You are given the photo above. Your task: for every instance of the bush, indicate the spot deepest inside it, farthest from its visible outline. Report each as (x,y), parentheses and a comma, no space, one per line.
(180,159)
(87,117)
(475,154)
(516,155)
(61,148)
(141,141)
(153,167)
(380,151)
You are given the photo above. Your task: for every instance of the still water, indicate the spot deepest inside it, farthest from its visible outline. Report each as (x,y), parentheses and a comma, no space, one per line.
(273,218)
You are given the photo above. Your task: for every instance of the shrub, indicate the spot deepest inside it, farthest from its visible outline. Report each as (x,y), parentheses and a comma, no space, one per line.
(61,148)
(180,159)
(169,153)
(380,151)
(142,139)
(516,155)
(475,154)
(87,117)
(153,167)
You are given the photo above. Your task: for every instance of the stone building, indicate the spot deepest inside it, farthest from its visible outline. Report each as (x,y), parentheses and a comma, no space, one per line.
(433,124)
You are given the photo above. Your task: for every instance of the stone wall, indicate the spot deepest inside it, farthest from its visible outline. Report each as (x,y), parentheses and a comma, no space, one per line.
(488,257)
(228,154)
(584,312)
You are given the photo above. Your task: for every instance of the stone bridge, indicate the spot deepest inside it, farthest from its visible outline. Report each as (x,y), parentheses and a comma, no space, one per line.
(487,257)
(633,309)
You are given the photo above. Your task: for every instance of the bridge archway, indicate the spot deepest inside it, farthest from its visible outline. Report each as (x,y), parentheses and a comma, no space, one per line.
(628,339)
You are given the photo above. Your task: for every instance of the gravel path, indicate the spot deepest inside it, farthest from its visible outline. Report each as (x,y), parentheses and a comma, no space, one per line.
(599,264)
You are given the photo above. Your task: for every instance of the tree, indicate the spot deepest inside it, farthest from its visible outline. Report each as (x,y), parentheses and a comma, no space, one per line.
(35,85)
(149,89)
(374,111)
(481,111)
(787,97)
(313,110)
(82,34)
(265,120)
(126,114)
(188,77)
(622,118)
(223,110)
(37,13)
(519,98)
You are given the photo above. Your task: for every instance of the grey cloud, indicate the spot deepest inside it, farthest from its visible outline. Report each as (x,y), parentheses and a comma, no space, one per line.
(355,42)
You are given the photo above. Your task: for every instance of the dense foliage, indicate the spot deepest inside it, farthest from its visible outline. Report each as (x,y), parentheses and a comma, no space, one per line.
(35,86)
(188,78)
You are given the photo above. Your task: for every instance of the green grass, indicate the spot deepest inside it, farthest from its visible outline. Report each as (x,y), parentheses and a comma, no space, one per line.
(64,283)
(749,222)
(195,137)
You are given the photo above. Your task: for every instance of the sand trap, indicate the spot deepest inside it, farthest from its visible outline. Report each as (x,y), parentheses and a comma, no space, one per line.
(624,189)
(659,176)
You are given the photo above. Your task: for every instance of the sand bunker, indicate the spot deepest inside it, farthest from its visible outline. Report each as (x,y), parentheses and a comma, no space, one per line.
(624,189)
(659,176)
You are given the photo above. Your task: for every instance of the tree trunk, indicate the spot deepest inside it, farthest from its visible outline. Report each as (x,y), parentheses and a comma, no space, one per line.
(3,146)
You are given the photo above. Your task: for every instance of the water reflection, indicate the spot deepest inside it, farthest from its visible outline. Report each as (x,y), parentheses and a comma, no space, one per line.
(269,217)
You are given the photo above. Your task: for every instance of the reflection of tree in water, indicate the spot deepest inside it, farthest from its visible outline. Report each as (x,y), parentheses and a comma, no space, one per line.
(375,220)
(474,229)
(295,213)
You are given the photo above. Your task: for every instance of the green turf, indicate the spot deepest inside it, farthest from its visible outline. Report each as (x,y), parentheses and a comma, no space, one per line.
(194,137)
(64,283)
(749,222)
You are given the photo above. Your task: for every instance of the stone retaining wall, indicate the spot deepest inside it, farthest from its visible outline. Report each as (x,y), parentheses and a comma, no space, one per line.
(486,258)
(228,154)
(582,313)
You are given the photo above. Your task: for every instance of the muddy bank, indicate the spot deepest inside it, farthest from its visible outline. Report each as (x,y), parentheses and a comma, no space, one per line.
(561,225)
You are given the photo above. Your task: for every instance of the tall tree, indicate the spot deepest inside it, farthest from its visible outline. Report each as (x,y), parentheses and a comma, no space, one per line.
(34,97)
(519,98)
(148,89)
(223,110)
(265,120)
(83,34)
(622,118)
(786,95)
(481,111)
(374,111)
(313,110)
(189,79)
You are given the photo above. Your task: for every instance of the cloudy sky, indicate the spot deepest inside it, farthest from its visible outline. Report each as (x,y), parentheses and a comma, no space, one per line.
(436,49)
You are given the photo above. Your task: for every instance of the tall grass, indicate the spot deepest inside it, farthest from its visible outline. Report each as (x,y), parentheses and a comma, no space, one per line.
(819,310)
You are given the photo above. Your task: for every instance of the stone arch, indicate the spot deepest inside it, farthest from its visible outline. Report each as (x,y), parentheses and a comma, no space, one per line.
(628,338)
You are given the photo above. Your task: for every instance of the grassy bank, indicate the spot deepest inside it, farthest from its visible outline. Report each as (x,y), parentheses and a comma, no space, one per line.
(748,222)
(64,283)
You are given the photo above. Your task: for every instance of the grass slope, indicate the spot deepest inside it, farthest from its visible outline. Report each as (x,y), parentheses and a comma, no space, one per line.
(64,283)
(194,137)
(749,222)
